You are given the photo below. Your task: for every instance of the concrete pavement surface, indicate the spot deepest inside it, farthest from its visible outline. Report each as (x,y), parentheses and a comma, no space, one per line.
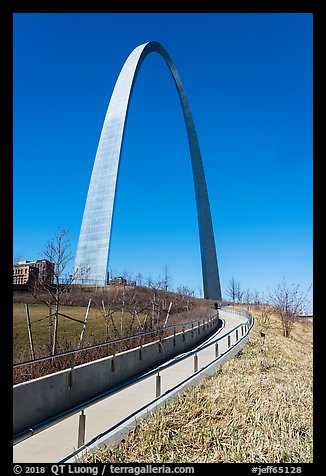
(55,443)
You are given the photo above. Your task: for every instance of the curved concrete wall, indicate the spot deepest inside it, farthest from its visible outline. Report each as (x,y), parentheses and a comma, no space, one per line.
(46,397)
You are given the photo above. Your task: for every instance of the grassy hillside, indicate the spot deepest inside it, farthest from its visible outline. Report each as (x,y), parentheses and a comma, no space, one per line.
(258,409)
(124,301)
(68,330)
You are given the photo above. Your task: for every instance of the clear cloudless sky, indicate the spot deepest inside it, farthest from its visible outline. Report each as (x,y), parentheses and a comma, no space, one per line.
(248,78)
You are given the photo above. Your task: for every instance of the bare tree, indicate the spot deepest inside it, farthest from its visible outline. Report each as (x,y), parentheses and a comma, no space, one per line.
(57,251)
(232,289)
(139,279)
(166,284)
(149,281)
(265,313)
(288,302)
(239,293)
(185,291)
(167,280)
(256,299)
(136,307)
(108,310)
(154,300)
(247,296)
(127,276)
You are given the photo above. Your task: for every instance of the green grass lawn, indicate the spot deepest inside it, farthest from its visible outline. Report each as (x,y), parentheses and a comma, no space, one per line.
(68,330)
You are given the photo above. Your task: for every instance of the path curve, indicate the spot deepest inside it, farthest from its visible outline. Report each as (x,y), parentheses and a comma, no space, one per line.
(57,442)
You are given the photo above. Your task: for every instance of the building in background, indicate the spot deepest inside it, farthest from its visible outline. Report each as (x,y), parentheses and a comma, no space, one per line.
(118,281)
(46,270)
(24,274)
(31,272)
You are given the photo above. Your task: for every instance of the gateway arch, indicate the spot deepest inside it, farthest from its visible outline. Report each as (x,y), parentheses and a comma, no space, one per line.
(94,239)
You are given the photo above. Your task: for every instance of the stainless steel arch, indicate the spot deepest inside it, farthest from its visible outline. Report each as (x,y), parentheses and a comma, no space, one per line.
(94,238)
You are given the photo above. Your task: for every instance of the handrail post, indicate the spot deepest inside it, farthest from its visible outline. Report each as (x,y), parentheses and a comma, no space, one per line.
(158,384)
(81,429)
(140,349)
(113,358)
(195,363)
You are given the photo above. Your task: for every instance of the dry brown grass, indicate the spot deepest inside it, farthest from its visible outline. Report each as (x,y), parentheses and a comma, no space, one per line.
(258,409)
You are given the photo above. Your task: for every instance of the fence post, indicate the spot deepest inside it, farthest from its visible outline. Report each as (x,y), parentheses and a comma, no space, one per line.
(81,429)
(30,337)
(84,324)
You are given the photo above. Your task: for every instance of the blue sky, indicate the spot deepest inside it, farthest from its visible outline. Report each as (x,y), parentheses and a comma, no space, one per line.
(248,78)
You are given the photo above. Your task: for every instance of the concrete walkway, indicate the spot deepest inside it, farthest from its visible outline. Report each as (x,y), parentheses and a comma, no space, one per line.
(57,442)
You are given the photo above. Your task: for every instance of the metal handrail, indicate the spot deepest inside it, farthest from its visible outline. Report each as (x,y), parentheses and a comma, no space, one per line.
(62,416)
(114,341)
(235,310)
(84,446)
(198,349)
